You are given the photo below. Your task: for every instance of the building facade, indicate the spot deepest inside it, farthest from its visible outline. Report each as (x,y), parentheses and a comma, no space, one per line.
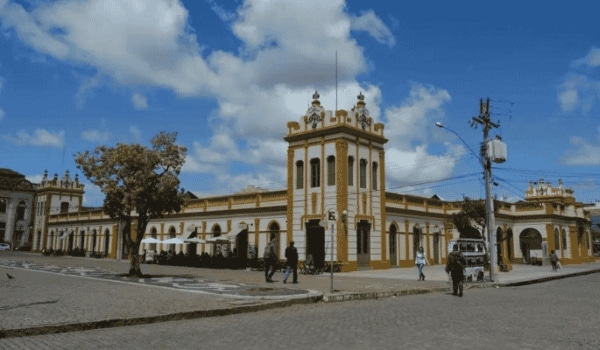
(16,204)
(335,208)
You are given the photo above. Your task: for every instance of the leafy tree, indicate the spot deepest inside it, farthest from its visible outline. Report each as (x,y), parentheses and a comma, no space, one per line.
(470,220)
(139,183)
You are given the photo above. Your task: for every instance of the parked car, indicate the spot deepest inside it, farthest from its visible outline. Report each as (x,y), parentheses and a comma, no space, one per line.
(4,246)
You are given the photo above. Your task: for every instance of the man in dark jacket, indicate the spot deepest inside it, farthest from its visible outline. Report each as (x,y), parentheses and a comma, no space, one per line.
(291,254)
(456,267)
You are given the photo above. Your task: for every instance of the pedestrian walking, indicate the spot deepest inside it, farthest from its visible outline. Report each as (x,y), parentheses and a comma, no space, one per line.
(270,259)
(554,260)
(291,256)
(455,266)
(421,261)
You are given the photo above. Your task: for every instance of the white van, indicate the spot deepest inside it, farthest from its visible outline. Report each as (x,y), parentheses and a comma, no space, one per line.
(475,254)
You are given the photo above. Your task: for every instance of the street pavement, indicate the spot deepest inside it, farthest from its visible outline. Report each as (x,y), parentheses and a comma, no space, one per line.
(50,295)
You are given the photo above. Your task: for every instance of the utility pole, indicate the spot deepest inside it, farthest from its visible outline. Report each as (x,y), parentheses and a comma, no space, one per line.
(484,120)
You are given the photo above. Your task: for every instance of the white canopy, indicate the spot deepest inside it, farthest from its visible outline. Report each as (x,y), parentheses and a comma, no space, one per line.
(151,240)
(173,241)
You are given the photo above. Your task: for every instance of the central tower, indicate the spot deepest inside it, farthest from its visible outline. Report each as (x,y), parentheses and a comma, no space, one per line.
(336,163)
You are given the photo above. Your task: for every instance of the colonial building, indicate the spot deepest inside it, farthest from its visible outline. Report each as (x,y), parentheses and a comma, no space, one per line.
(335,207)
(16,203)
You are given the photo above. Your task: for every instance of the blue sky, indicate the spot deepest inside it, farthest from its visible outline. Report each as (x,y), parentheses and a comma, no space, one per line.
(229,75)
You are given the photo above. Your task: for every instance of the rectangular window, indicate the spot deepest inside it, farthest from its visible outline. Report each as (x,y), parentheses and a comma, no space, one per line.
(299,174)
(64,207)
(363,173)
(350,171)
(315,173)
(374,176)
(2,231)
(331,171)
(2,205)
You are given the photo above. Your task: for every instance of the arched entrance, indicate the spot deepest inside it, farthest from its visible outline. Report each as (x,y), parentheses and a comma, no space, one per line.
(530,241)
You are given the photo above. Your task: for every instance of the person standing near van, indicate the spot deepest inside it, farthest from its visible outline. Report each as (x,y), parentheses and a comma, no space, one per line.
(456,267)
(421,261)
(270,259)
(291,255)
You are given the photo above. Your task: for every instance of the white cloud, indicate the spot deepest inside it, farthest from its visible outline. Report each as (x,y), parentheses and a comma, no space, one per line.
(95,135)
(40,137)
(370,23)
(286,53)
(582,152)
(592,59)
(139,101)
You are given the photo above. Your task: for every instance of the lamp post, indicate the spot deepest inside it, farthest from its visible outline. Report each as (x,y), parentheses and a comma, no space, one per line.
(331,220)
(485,160)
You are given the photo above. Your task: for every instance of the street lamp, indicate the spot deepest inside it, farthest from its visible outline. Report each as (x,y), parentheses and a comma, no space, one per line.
(487,154)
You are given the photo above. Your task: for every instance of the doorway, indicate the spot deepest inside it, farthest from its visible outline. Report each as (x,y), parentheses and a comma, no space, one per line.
(315,242)
(393,246)
(363,233)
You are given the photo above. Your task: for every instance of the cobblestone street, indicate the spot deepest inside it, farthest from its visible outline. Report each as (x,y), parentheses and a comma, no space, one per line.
(560,314)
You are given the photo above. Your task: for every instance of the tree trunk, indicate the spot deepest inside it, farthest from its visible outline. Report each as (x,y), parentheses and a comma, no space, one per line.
(134,262)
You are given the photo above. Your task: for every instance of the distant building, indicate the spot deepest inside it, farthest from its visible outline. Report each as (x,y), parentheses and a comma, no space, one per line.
(335,207)
(16,205)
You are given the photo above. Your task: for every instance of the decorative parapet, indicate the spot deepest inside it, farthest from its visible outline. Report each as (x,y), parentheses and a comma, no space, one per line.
(544,191)
(319,121)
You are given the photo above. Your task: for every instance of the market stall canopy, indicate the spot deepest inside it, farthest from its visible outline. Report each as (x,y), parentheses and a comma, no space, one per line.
(194,240)
(173,241)
(151,240)
(219,239)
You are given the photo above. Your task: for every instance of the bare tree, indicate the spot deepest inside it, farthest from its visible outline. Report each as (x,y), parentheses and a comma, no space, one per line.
(139,183)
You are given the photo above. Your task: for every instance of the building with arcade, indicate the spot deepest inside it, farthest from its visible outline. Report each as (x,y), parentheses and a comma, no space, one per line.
(335,208)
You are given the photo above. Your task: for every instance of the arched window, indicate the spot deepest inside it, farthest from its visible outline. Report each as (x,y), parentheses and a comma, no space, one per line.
(299,174)
(374,176)
(94,237)
(331,171)
(350,171)
(172,234)
(556,239)
(564,239)
(315,173)
(363,173)
(2,205)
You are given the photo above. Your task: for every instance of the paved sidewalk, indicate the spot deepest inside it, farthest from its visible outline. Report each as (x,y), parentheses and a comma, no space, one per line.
(61,294)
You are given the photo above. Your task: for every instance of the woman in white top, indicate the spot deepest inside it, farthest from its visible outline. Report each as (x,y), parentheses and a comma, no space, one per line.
(421,261)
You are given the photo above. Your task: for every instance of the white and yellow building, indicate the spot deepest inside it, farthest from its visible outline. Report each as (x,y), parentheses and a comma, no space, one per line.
(336,166)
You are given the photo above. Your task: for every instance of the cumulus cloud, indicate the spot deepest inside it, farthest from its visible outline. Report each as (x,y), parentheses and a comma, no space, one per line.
(39,137)
(285,53)
(408,130)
